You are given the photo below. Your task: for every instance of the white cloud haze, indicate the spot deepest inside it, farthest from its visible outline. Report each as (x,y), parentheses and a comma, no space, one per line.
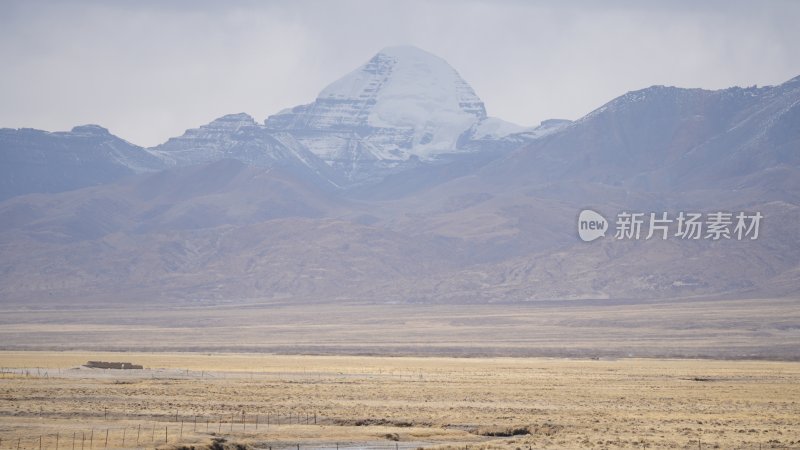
(149,70)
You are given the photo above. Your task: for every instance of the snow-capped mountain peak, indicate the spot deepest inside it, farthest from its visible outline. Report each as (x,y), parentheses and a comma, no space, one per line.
(409,86)
(403,104)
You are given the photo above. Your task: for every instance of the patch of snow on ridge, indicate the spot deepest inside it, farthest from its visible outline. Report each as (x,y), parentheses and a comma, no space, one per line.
(494,128)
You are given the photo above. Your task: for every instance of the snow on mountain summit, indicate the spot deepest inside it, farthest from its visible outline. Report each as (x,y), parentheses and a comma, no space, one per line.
(409,86)
(404,102)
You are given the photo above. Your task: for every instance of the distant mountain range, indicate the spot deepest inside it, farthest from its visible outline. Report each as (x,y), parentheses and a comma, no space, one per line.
(395,186)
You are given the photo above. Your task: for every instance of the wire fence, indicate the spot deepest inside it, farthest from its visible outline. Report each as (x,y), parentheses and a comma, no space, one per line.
(162,429)
(153,430)
(110,438)
(159,435)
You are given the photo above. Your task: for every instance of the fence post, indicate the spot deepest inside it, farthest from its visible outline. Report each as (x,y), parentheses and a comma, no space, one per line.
(106,444)
(153,437)
(91,439)
(124,431)
(73,440)
(56,440)
(166,434)
(138,432)
(83,439)
(181,436)
(244,422)
(256,422)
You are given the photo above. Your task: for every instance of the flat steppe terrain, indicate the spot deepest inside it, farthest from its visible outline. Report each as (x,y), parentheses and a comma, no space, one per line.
(273,401)
(675,328)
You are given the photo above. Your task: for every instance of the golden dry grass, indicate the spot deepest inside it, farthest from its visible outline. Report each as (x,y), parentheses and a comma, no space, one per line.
(629,403)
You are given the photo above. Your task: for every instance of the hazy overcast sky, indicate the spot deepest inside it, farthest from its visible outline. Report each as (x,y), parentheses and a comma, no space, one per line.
(147,70)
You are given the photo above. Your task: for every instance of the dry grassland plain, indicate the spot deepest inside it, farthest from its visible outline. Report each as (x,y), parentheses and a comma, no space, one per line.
(184,400)
(688,328)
